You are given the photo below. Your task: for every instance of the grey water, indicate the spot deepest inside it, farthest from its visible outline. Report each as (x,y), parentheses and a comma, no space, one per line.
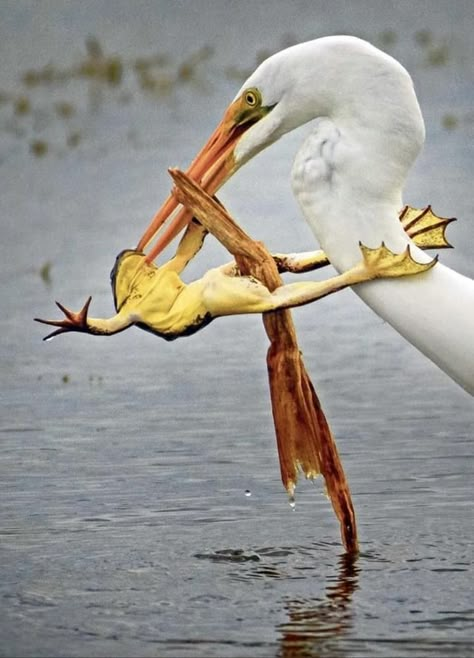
(142,512)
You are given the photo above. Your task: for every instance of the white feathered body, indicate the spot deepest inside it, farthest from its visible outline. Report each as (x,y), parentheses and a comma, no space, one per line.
(434,311)
(349,176)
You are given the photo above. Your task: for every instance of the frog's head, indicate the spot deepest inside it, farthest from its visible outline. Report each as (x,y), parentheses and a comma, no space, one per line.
(124,272)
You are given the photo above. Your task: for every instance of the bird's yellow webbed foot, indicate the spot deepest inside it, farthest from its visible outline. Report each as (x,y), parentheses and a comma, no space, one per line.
(381,262)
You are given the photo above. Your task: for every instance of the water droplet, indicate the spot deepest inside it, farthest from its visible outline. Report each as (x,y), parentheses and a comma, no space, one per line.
(248,492)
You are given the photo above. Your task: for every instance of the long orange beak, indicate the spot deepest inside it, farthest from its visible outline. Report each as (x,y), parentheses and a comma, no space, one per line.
(214,164)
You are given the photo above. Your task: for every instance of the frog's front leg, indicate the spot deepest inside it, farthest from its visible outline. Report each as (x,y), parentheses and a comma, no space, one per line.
(189,246)
(80,322)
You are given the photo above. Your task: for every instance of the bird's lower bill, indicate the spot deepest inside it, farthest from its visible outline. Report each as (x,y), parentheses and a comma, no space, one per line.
(214,164)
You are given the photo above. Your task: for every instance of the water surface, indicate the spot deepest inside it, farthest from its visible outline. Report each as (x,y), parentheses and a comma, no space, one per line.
(127,528)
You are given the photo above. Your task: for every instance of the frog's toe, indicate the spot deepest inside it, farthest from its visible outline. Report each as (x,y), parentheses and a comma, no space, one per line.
(382,262)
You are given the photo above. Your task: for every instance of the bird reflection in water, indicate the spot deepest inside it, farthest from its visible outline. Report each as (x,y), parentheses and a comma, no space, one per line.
(314,627)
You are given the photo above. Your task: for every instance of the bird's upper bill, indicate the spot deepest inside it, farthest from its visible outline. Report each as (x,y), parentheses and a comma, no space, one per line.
(214,164)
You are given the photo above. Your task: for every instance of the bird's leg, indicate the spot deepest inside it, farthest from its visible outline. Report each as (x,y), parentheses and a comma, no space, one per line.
(225,294)
(189,246)
(80,322)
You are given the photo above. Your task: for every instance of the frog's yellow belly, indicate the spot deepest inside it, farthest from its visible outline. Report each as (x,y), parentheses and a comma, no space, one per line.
(167,307)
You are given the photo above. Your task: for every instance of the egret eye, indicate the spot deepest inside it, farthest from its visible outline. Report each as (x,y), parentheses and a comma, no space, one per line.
(252,97)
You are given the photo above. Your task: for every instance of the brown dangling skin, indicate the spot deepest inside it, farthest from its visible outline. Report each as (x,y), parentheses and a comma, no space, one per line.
(155,298)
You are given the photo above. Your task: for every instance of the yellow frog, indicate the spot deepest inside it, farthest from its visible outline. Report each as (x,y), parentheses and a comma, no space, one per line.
(155,298)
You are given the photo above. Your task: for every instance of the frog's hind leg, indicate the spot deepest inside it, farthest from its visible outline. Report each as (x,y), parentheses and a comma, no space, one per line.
(379,263)
(427,230)
(224,294)
(298,263)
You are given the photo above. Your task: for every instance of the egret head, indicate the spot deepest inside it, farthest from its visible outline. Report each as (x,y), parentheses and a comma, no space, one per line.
(344,78)
(362,89)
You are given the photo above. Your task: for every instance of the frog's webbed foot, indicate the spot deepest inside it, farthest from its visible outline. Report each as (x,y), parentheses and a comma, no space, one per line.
(376,263)
(72,322)
(382,263)
(426,229)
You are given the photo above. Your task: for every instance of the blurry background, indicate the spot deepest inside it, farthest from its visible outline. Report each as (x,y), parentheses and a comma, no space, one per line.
(127,464)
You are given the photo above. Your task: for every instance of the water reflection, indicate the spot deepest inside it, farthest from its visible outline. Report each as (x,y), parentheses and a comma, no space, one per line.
(315,626)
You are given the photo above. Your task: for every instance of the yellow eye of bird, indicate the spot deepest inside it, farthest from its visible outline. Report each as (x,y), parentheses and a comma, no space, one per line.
(251,97)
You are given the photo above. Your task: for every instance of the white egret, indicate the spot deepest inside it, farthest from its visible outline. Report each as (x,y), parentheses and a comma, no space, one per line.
(348,178)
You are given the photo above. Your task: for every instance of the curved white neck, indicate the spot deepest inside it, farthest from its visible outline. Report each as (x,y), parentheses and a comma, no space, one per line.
(337,185)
